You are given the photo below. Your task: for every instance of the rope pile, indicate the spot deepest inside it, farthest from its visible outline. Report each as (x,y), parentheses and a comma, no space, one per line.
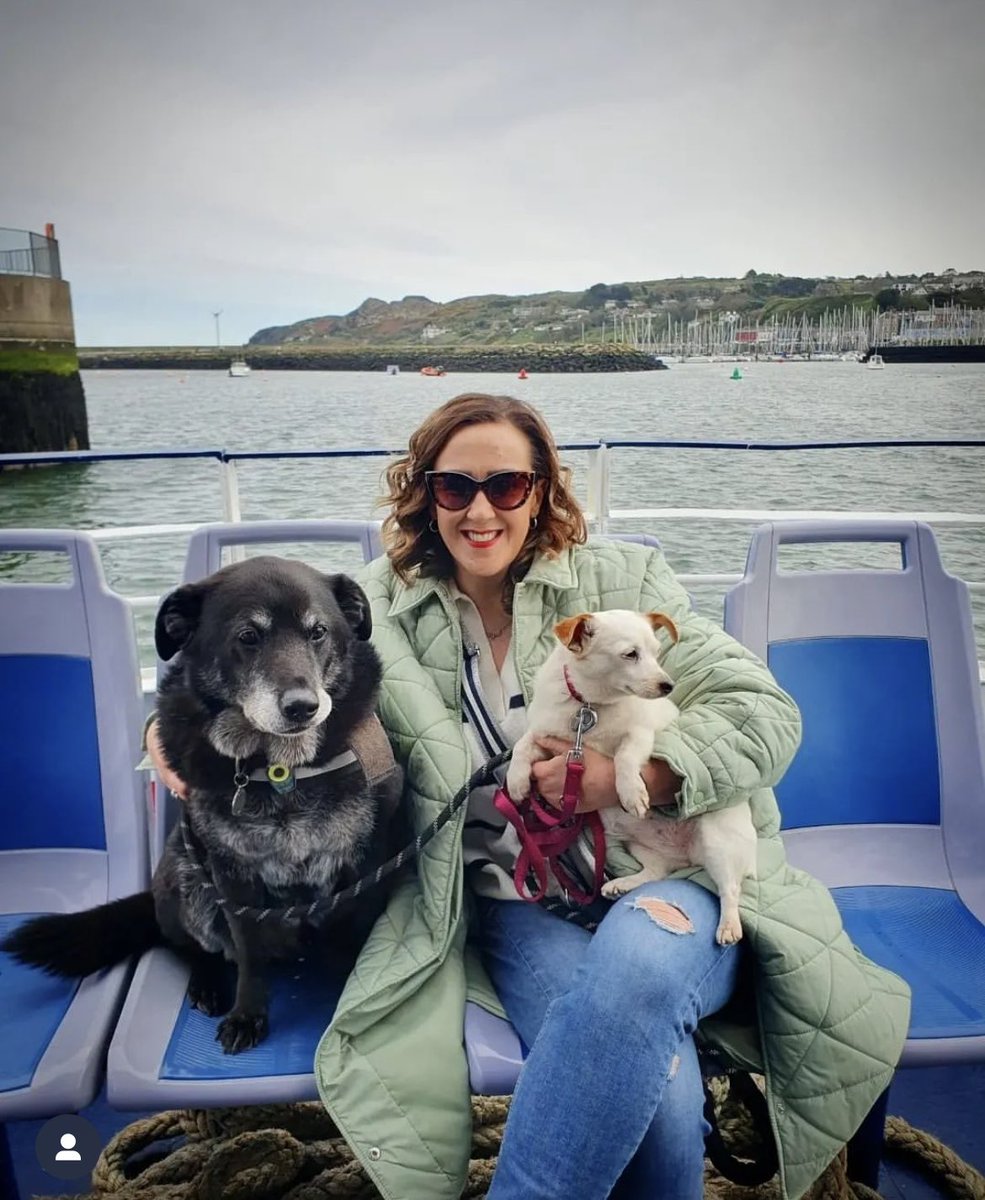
(295,1152)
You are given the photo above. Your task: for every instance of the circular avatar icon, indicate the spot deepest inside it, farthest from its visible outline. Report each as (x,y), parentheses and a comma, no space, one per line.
(68,1146)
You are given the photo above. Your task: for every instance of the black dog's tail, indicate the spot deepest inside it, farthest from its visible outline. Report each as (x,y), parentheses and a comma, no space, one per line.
(78,944)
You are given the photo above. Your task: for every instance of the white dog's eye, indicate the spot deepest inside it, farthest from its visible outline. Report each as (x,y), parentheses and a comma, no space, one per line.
(318,633)
(632,655)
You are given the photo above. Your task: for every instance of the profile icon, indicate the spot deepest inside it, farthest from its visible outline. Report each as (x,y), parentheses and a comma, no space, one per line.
(68,1153)
(68,1146)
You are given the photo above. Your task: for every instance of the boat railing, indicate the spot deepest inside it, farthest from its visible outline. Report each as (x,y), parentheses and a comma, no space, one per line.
(601,514)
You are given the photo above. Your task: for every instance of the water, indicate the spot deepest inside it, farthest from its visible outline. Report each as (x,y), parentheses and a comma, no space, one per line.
(298,410)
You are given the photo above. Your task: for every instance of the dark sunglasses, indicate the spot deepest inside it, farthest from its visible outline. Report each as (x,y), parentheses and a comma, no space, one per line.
(455,490)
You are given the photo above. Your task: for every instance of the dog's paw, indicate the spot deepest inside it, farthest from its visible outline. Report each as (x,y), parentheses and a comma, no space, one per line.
(208,996)
(615,888)
(518,784)
(209,989)
(242,1031)
(729,931)
(634,798)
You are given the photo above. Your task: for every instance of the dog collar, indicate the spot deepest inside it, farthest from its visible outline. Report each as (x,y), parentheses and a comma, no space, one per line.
(282,778)
(573,691)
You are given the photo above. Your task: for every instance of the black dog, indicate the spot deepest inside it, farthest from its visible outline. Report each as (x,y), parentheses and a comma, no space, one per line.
(268,714)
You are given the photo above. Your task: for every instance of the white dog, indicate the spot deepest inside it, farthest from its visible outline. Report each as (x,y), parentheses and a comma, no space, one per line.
(610,661)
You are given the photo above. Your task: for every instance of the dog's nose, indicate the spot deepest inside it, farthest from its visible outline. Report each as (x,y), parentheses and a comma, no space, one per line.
(299,704)
(665,689)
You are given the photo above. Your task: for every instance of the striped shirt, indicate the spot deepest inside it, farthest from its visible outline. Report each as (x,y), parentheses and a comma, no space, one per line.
(494,718)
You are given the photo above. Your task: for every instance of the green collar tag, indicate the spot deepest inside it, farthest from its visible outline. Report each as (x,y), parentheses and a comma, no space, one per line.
(280,778)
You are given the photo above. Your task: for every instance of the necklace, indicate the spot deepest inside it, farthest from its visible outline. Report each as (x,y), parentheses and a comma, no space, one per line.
(499,632)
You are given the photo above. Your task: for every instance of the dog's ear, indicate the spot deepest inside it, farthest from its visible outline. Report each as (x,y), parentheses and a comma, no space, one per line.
(177,619)
(574,632)
(658,620)
(354,604)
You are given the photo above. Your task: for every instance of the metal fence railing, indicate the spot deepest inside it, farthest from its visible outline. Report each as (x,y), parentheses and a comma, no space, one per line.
(25,253)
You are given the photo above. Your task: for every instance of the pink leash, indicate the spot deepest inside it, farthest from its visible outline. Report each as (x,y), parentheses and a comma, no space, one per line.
(546,832)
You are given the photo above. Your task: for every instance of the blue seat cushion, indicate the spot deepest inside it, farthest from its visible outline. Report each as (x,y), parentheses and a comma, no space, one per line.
(302,1002)
(49,748)
(869,752)
(32,1006)
(927,936)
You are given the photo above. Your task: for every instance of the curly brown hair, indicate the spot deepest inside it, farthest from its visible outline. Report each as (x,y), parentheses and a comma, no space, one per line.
(414,548)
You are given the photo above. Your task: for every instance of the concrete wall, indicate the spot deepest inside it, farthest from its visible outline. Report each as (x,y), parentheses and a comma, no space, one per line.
(35,309)
(42,404)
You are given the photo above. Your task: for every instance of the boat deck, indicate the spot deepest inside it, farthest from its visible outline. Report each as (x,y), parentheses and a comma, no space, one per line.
(948,1102)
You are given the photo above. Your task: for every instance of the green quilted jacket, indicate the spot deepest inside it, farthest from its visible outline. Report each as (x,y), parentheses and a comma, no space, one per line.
(826,1026)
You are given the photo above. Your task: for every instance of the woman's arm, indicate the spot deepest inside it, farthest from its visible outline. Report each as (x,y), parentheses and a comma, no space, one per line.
(738,729)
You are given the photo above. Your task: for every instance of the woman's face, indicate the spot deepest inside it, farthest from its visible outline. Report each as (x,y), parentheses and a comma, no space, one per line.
(484,540)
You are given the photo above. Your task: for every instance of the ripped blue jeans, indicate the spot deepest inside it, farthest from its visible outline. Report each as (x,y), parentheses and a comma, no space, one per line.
(609,1101)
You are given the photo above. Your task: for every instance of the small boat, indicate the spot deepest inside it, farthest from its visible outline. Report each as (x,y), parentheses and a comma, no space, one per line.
(239,367)
(432,370)
(875,362)
(392,369)
(523,373)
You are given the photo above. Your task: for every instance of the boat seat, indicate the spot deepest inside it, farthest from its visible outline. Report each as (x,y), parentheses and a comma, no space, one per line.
(72,808)
(885,799)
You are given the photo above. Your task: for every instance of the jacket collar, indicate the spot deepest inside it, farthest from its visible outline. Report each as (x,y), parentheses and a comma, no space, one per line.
(558,573)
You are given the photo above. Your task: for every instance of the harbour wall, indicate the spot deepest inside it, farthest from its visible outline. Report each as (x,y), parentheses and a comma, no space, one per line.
(42,402)
(407,358)
(930,353)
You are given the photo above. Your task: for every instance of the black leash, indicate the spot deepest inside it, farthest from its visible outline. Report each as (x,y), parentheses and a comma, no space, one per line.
(326,905)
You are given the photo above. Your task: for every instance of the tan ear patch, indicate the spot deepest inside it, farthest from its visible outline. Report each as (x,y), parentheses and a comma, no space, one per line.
(573,631)
(658,620)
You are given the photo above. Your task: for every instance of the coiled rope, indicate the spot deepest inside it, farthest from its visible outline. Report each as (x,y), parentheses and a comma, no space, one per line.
(295,1152)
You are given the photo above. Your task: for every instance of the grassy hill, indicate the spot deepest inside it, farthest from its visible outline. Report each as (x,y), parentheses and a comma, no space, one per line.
(559,318)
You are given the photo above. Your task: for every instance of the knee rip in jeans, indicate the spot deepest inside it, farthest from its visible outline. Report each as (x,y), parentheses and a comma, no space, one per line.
(667,915)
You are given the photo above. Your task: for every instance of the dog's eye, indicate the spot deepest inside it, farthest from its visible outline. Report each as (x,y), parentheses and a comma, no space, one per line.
(248,637)
(632,655)
(318,633)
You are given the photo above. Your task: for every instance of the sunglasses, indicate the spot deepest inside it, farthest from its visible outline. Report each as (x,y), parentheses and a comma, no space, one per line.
(455,490)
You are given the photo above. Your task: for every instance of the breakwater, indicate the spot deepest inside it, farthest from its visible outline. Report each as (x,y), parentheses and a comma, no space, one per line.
(407,358)
(930,353)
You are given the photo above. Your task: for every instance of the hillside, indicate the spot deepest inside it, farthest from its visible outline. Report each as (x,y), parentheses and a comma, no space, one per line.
(550,318)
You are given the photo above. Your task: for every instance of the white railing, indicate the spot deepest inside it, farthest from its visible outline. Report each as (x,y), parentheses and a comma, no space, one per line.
(599,511)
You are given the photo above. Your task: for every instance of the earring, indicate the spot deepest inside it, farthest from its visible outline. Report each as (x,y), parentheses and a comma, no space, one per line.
(533,522)
(433,525)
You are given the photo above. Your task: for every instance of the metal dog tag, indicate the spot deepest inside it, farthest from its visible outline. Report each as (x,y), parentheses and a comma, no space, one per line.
(584,719)
(239,797)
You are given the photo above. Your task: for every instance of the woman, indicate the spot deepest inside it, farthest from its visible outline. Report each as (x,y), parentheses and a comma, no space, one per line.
(486,551)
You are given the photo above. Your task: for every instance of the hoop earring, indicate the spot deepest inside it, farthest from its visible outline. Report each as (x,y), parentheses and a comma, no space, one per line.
(433,525)
(533,522)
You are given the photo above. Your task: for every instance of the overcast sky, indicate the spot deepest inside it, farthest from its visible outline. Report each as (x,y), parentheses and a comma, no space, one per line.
(285,160)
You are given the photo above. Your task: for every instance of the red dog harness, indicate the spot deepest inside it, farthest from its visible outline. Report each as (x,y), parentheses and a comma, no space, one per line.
(546,832)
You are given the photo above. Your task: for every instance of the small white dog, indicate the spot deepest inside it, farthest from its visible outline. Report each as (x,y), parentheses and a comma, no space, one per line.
(610,661)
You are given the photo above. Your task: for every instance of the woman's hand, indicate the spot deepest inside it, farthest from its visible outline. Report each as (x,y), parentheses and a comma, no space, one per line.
(166,775)
(598,782)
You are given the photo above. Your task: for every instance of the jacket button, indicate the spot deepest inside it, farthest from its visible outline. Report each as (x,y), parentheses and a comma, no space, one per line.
(375,1153)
